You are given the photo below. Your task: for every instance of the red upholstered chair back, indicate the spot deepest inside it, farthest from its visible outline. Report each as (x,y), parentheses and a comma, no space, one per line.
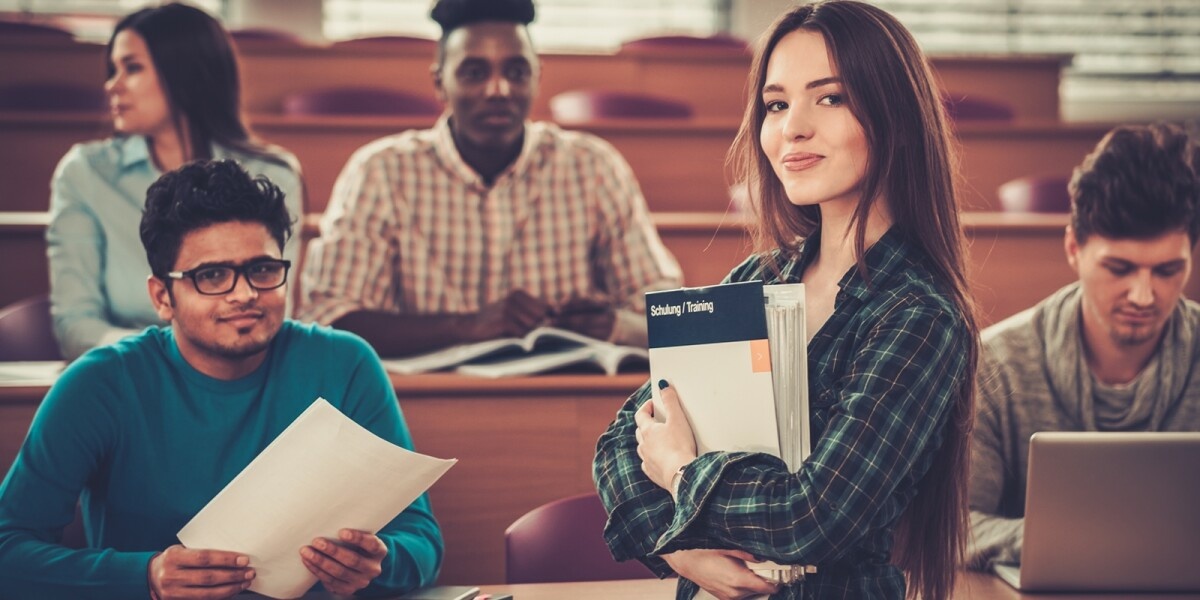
(1036,194)
(963,107)
(359,101)
(650,44)
(564,541)
(264,34)
(390,42)
(26,332)
(584,106)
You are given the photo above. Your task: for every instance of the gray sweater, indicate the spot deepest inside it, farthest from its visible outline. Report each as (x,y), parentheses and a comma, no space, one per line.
(1033,377)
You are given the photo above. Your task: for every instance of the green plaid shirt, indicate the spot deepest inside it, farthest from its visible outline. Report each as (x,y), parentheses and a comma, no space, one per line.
(884,369)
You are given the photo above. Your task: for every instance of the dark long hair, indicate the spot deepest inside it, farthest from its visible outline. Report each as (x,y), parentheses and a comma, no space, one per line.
(891,92)
(198,70)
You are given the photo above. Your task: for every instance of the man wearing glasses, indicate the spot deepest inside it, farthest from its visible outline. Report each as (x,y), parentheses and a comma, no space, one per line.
(145,432)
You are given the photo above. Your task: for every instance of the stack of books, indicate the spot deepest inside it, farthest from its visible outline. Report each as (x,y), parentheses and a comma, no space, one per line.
(737,356)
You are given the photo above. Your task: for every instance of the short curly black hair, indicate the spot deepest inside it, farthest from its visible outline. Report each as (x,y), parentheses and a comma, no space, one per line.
(203,193)
(1141,182)
(452,14)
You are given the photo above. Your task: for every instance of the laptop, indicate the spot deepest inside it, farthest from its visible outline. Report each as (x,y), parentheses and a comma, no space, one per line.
(1111,512)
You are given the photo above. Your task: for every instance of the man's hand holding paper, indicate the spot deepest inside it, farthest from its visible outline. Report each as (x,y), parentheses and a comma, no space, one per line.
(179,572)
(307,507)
(347,564)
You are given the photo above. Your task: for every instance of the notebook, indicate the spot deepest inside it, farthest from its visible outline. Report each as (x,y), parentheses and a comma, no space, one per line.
(1111,512)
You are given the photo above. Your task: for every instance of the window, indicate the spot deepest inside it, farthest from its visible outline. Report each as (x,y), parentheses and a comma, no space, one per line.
(1126,52)
(560,24)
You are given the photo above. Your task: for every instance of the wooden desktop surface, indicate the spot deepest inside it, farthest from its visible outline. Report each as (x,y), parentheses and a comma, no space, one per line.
(970,586)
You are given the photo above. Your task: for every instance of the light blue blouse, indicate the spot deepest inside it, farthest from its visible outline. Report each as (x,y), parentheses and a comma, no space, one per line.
(98,267)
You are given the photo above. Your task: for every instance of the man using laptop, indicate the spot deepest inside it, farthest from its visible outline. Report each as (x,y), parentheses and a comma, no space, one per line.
(145,432)
(1115,351)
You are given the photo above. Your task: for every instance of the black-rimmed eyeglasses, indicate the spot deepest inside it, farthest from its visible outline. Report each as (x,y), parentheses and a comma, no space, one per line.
(215,280)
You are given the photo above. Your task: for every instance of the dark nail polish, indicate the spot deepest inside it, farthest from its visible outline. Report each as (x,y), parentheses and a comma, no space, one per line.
(662,384)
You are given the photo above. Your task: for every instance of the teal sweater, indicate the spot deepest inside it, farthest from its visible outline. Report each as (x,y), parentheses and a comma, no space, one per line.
(145,441)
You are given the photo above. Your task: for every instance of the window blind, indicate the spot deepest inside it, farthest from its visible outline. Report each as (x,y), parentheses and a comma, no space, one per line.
(1125,51)
(560,25)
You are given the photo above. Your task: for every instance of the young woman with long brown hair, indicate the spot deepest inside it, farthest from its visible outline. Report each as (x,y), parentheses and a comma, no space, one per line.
(846,151)
(174,97)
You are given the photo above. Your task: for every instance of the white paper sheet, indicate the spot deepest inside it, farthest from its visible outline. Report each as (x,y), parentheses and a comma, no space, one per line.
(30,373)
(323,473)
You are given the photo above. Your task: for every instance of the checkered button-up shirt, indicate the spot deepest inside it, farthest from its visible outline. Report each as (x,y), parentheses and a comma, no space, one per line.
(884,369)
(412,229)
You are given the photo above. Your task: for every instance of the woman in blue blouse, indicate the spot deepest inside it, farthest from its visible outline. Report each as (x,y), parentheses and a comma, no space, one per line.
(847,151)
(174,97)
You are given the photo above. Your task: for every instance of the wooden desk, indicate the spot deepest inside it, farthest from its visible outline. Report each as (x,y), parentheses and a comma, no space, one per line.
(970,586)
(712,80)
(1017,259)
(679,164)
(521,442)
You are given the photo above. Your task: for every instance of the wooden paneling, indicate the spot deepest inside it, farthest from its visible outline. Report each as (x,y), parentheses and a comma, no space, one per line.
(31,144)
(993,154)
(1029,84)
(680,165)
(23,271)
(712,80)
(517,449)
(17,406)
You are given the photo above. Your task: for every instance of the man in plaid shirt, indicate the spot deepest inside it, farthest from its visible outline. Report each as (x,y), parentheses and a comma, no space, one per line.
(486,225)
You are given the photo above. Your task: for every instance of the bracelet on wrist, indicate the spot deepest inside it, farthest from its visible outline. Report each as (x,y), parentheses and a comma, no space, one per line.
(676,479)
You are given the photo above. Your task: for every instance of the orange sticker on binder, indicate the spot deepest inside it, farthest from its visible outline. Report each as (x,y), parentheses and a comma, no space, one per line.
(760,356)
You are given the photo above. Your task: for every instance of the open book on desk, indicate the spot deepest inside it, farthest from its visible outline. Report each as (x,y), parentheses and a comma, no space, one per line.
(543,349)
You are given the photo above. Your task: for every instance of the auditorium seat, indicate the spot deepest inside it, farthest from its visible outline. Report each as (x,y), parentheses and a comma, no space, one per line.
(966,107)
(389,42)
(651,44)
(563,540)
(265,34)
(1036,194)
(585,106)
(26,332)
(355,100)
